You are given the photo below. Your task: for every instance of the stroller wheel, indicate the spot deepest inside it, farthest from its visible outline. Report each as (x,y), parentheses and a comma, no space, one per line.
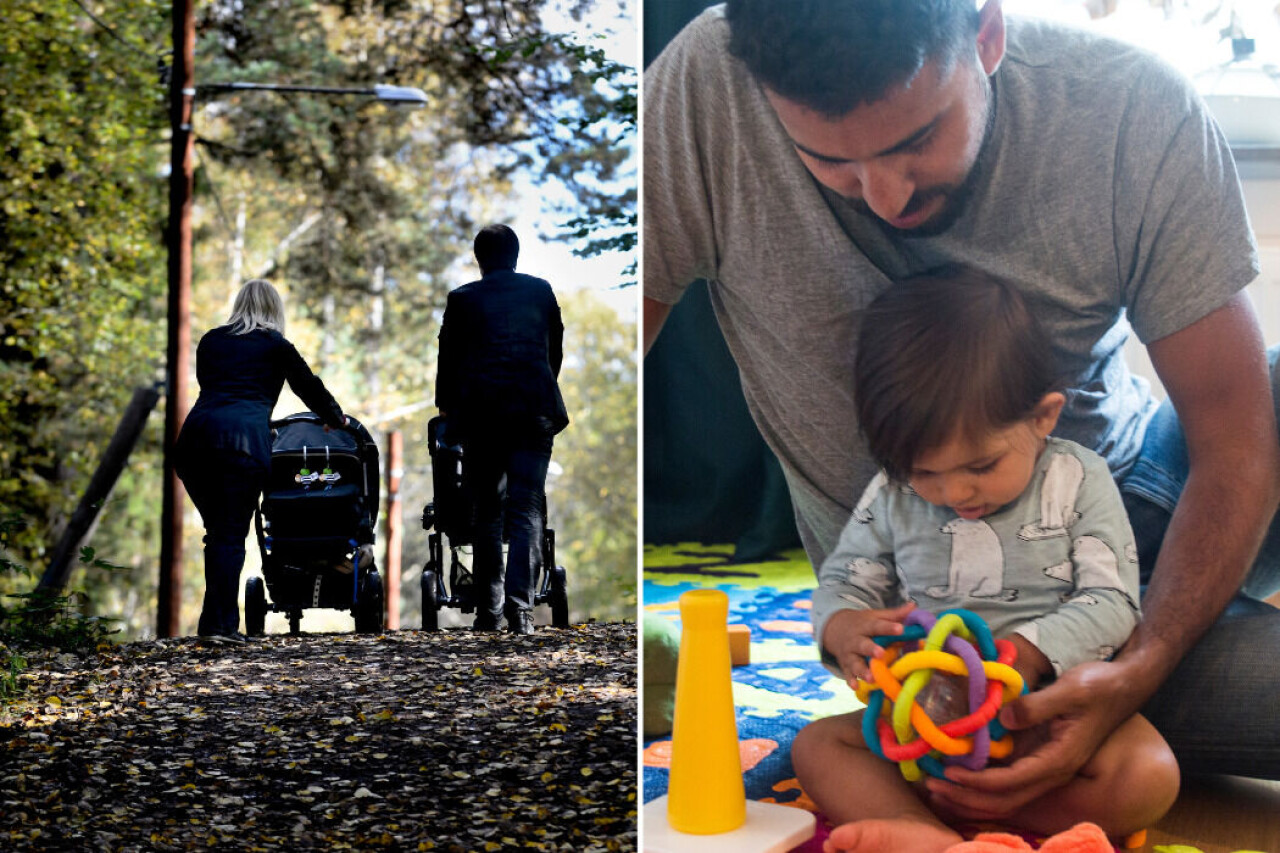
(430,601)
(559,598)
(370,610)
(255,607)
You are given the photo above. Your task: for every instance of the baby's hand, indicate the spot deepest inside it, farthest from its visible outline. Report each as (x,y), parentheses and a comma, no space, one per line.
(847,636)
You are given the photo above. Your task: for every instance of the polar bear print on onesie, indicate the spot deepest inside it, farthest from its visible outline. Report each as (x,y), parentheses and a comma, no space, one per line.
(1096,564)
(860,568)
(1057,499)
(977,563)
(862,512)
(1093,565)
(873,577)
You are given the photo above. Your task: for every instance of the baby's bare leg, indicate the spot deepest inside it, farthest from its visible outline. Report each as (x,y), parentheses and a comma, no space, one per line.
(879,809)
(1128,785)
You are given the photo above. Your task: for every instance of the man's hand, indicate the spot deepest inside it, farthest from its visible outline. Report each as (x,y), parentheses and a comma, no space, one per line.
(1076,714)
(847,637)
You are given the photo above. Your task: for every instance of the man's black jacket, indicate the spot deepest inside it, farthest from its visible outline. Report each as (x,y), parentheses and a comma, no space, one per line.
(501,344)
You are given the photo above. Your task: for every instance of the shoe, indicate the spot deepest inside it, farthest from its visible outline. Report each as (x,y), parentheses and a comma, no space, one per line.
(485,622)
(236,639)
(519,621)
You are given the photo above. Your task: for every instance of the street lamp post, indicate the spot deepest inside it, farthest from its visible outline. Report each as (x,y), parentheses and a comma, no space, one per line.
(182,94)
(387,94)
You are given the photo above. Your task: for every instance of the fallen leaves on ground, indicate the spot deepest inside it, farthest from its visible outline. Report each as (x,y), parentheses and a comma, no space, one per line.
(449,741)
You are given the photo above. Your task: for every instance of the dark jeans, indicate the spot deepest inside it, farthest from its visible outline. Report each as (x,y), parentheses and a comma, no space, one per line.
(225,489)
(1219,709)
(508,472)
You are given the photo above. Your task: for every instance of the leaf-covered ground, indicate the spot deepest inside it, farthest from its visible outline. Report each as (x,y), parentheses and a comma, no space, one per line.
(453,741)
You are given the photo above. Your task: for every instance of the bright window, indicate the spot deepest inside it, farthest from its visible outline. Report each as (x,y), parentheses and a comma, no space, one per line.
(1229,48)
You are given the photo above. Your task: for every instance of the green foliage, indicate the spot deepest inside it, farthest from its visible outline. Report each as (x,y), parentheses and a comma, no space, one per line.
(593,503)
(11,666)
(399,195)
(606,131)
(587,146)
(48,620)
(81,261)
(362,213)
(403,191)
(40,618)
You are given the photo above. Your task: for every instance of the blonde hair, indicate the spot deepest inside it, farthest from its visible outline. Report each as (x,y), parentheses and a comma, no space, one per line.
(258,305)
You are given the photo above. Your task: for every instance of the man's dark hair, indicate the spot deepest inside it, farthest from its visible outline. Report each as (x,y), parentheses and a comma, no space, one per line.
(496,248)
(835,55)
(952,349)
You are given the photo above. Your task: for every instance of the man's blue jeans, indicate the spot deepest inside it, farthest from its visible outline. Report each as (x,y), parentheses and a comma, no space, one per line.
(508,473)
(1220,709)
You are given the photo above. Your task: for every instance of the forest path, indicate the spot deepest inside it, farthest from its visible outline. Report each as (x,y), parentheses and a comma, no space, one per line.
(449,741)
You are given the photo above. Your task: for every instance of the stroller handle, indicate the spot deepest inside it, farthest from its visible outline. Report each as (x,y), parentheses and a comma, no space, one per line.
(352,425)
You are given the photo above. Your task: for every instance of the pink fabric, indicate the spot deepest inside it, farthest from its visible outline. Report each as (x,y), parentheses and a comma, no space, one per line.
(1081,838)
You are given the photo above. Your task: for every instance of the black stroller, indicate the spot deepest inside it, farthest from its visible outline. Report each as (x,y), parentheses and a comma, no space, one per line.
(452,514)
(316,526)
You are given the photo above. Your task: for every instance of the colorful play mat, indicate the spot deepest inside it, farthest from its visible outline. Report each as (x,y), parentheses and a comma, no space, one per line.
(782,688)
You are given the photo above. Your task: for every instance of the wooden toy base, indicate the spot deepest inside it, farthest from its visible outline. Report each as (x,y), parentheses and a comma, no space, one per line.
(769,828)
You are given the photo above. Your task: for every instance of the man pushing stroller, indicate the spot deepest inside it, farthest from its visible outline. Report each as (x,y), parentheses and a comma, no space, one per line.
(501,345)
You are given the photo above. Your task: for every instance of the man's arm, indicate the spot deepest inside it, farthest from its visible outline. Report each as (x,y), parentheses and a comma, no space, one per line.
(1217,377)
(447,357)
(555,339)
(655,314)
(1216,374)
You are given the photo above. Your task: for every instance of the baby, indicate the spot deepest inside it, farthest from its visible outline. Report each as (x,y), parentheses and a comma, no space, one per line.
(976,506)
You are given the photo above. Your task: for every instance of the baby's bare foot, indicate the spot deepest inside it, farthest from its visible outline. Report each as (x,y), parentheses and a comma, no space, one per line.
(900,836)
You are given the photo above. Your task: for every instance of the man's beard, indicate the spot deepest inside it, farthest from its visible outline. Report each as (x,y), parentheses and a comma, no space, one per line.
(956,196)
(956,199)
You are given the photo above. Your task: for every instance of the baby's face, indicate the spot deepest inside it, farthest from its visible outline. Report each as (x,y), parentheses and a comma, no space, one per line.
(978,477)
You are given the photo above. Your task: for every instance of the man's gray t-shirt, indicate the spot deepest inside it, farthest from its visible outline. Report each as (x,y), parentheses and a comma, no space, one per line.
(1104,192)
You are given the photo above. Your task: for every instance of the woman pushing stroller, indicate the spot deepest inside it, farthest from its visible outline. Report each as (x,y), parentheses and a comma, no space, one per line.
(224,450)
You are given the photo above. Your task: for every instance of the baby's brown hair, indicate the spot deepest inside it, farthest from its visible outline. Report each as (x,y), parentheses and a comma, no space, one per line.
(952,349)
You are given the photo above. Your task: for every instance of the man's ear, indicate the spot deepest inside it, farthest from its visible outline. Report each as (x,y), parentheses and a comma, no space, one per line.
(1044,417)
(991,36)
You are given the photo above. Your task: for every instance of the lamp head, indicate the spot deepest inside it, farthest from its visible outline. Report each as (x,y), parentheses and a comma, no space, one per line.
(400,95)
